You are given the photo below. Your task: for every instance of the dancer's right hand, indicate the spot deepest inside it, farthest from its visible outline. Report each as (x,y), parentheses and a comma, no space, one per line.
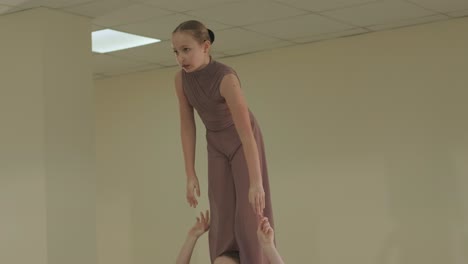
(192,188)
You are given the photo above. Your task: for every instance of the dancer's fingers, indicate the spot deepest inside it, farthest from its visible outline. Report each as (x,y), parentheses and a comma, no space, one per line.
(269,231)
(265,227)
(202,217)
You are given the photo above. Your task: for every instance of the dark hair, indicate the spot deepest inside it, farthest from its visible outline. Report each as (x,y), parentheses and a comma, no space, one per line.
(199,31)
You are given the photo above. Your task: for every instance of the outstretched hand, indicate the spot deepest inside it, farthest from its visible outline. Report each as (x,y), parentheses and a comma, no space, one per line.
(201,226)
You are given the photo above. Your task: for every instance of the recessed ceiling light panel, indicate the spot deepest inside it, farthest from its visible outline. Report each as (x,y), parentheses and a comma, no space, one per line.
(108,40)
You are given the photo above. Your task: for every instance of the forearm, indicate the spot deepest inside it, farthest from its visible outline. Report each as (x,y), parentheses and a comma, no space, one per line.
(253,160)
(272,255)
(186,251)
(188,137)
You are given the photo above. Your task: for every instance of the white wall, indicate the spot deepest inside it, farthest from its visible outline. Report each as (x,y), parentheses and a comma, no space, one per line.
(47,133)
(367,143)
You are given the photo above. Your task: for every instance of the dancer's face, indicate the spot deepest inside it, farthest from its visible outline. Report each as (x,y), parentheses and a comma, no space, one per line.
(191,55)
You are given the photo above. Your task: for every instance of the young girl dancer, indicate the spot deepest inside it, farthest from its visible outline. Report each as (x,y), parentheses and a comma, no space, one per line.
(238,185)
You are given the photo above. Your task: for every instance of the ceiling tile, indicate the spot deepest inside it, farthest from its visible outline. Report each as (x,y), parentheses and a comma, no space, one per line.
(129,14)
(152,53)
(13,2)
(443,6)
(184,5)
(60,3)
(162,27)
(96,27)
(18,5)
(10,10)
(345,33)
(246,13)
(99,8)
(378,13)
(409,22)
(460,13)
(299,26)
(267,24)
(236,40)
(323,5)
(4,9)
(107,63)
(46,3)
(255,48)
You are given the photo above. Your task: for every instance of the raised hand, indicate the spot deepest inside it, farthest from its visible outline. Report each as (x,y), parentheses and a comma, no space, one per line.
(201,226)
(265,233)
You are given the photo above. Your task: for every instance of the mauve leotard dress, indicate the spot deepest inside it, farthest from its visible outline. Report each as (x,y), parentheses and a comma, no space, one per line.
(233,221)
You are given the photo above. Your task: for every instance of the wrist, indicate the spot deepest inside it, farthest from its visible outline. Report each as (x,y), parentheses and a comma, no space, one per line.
(256,183)
(191,174)
(270,247)
(192,237)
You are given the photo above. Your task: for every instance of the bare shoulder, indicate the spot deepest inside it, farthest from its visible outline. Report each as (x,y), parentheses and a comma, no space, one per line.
(230,77)
(229,82)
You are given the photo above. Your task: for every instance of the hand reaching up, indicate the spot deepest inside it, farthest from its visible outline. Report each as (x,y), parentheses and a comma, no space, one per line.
(201,226)
(266,237)
(265,233)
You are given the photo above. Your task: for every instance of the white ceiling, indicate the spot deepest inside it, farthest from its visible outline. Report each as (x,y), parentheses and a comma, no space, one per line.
(241,26)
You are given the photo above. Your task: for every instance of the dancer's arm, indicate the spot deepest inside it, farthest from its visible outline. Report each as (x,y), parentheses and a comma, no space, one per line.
(200,227)
(230,89)
(188,137)
(272,255)
(265,234)
(186,251)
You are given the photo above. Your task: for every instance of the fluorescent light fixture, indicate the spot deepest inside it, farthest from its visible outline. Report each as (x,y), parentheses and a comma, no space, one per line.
(108,40)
